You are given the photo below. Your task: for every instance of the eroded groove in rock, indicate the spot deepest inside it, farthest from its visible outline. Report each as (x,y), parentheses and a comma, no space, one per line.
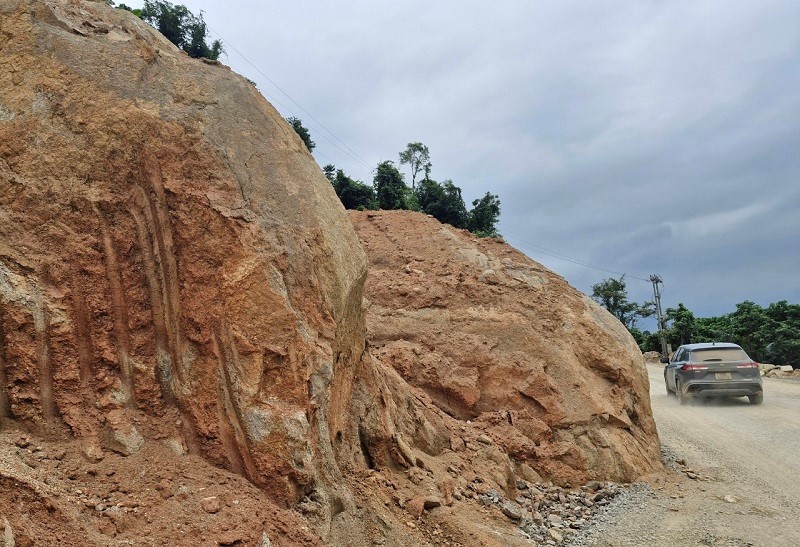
(5,398)
(235,439)
(167,355)
(119,312)
(164,368)
(157,215)
(83,335)
(41,324)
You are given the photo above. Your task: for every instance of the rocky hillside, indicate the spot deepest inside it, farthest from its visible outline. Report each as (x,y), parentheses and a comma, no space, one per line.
(496,339)
(182,326)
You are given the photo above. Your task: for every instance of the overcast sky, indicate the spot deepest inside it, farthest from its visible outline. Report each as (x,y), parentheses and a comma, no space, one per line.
(641,137)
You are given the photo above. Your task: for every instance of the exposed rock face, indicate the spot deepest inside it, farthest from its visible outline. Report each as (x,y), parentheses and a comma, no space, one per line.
(167,246)
(495,338)
(180,285)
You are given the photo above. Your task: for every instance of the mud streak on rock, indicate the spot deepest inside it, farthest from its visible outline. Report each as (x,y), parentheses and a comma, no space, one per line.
(83,336)
(157,215)
(119,311)
(5,399)
(233,435)
(41,324)
(163,372)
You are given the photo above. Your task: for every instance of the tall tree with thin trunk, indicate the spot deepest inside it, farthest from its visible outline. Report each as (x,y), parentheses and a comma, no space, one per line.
(418,158)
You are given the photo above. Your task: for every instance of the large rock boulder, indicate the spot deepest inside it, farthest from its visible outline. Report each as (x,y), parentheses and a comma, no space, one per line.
(179,286)
(495,338)
(169,247)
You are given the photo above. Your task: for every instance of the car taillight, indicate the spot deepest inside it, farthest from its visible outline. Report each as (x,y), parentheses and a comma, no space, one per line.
(691,366)
(751,364)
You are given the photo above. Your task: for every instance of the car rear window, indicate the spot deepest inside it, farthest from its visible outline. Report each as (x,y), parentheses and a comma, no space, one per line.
(718,354)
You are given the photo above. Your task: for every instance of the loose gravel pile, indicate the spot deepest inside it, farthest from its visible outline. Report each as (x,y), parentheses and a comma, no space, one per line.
(554,515)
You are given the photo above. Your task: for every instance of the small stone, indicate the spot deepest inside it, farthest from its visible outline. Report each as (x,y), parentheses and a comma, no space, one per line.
(8,532)
(511,510)
(22,442)
(555,535)
(484,439)
(554,519)
(432,503)
(522,485)
(210,504)
(93,453)
(593,485)
(730,499)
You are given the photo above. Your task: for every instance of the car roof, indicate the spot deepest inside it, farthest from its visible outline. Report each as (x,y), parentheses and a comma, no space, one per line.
(709,345)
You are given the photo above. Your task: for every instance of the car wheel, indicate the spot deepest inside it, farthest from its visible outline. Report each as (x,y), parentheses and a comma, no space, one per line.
(683,398)
(756,399)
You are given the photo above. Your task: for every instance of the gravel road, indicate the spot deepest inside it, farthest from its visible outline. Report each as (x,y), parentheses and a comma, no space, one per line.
(733,479)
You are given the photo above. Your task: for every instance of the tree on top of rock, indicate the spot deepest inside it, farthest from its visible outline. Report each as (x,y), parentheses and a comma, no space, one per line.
(484,216)
(181,27)
(301,130)
(443,202)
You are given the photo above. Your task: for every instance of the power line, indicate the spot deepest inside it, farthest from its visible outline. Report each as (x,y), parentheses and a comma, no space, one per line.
(348,152)
(566,258)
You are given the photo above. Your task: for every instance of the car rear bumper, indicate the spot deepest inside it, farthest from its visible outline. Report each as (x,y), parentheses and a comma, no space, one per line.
(723,389)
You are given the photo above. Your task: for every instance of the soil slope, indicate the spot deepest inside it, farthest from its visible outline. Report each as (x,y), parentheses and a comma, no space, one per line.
(497,339)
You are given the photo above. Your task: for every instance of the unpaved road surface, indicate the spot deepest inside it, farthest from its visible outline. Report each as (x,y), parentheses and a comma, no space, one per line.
(745,460)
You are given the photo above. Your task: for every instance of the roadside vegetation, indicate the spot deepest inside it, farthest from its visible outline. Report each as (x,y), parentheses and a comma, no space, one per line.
(768,334)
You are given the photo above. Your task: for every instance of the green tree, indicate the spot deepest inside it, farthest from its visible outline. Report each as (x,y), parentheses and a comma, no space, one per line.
(442,201)
(137,12)
(181,27)
(329,171)
(484,216)
(302,131)
(418,158)
(196,45)
(352,193)
(391,189)
(752,327)
(682,330)
(612,294)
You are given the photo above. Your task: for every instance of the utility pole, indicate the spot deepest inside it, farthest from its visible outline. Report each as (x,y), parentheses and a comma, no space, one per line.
(662,322)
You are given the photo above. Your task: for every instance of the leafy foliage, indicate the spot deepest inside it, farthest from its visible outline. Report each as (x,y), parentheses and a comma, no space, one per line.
(301,130)
(181,27)
(136,11)
(352,193)
(612,294)
(443,202)
(484,216)
(770,335)
(389,191)
(390,187)
(418,158)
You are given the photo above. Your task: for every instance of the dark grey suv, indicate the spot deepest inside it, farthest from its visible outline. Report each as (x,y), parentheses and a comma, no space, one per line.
(717,369)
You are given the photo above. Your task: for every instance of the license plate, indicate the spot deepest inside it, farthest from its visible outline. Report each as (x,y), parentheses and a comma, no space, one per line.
(722,375)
